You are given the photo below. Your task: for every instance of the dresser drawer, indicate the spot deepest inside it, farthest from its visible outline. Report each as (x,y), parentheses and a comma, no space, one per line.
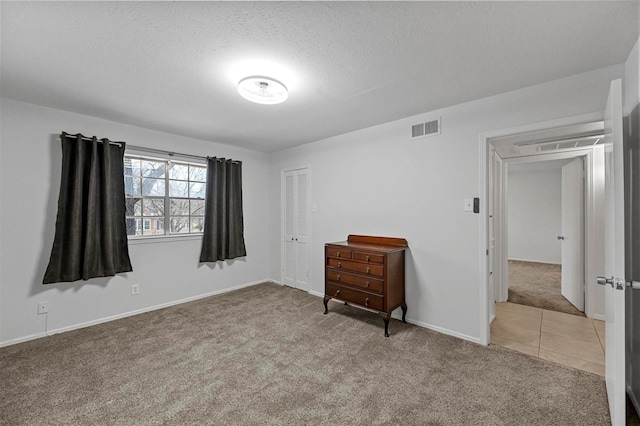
(369,257)
(364,268)
(366,283)
(351,295)
(338,252)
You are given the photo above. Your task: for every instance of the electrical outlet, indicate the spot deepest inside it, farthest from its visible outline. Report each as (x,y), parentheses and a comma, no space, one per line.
(135,289)
(43,307)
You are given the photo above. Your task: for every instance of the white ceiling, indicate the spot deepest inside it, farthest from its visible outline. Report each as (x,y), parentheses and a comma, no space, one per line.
(174,66)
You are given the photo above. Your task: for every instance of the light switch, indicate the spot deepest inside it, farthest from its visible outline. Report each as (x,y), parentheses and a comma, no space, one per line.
(468,204)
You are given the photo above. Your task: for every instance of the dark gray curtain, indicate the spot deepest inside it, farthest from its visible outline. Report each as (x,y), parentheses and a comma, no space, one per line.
(91,237)
(223,236)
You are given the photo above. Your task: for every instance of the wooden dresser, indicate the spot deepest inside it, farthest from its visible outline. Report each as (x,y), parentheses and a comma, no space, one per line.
(367,272)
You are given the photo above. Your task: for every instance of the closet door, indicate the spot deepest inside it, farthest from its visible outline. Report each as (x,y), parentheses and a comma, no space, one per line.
(295,268)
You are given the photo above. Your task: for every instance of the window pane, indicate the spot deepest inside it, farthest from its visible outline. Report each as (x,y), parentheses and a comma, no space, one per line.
(153,169)
(198,173)
(197,207)
(153,226)
(179,207)
(178,189)
(132,228)
(153,207)
(178,171)
(131,166)
(133,206)
(131,185)
(197,224)
(179,225)
(197,190)
(153,187)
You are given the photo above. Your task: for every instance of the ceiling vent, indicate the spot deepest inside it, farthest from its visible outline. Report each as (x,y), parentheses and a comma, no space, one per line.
(429,128)
(528,148)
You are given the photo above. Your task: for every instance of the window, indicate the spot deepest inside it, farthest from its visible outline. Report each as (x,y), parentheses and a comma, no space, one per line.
(160,192)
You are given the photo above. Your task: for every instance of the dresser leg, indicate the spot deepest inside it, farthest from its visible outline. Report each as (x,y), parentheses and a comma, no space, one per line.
(326,308)
(386,325)
(404,312)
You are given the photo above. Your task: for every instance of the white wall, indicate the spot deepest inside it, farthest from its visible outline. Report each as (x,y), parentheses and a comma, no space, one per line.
(376,181)
(166,271)
(373,181)
(631,83)
(534,215)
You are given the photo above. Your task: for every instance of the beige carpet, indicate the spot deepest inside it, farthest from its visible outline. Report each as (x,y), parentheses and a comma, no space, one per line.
(266,355)
(538,285)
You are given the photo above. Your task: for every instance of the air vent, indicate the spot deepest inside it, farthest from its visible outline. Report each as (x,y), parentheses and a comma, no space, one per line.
(530,148)
(425,129)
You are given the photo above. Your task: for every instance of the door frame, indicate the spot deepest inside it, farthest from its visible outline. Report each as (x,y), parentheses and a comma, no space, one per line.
(282,222)
(486,276)
(501,221)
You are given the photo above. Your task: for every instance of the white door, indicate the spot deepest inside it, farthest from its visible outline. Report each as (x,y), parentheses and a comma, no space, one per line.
(295,270)
(614,256)
(572,226)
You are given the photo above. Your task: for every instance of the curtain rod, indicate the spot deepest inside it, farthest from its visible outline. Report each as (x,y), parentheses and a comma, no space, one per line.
(162,151)
(179,154)
(85,138)
(144,149)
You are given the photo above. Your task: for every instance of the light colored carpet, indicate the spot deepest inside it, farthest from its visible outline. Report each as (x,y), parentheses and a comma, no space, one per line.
(266,355)
(538,285)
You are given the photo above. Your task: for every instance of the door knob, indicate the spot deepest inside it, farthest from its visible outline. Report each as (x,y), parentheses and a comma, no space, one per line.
(614,282)
(560,237)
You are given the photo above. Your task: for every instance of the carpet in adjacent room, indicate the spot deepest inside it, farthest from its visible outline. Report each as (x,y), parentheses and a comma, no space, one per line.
(538,285)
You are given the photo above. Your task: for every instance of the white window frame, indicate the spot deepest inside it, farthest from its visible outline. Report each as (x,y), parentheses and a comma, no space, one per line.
(141,220)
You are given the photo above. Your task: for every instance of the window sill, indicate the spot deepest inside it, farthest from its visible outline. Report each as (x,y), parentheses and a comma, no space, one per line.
(163,239)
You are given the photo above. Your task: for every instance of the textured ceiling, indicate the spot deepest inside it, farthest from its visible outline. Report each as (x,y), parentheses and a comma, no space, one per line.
(174,66)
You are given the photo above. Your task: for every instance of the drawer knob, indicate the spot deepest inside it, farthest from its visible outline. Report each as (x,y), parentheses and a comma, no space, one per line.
(337,292)
(367,284)
(367,258)
(368,270)
(366,302)
(338,278)
(338,254)
(339,265)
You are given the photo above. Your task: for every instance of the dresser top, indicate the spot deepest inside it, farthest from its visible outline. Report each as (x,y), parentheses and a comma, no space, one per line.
(373,243)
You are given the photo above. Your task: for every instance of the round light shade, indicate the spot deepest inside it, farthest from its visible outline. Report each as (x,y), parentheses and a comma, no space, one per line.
(262,90)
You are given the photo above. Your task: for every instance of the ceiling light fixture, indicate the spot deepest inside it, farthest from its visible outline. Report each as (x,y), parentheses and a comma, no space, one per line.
(262,90)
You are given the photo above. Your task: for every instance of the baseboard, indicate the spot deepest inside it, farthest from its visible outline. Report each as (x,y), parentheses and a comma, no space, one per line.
(536,261)
(128,314)
(23,339)
(397,315)
(443,330)
(214,293)
(316,293)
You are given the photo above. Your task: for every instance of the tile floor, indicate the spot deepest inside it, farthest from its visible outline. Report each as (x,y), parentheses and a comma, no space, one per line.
(565,339)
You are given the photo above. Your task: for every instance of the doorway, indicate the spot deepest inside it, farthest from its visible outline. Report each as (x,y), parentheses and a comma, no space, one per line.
(545,220)
(540,332)
(573,148)
(295,227)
